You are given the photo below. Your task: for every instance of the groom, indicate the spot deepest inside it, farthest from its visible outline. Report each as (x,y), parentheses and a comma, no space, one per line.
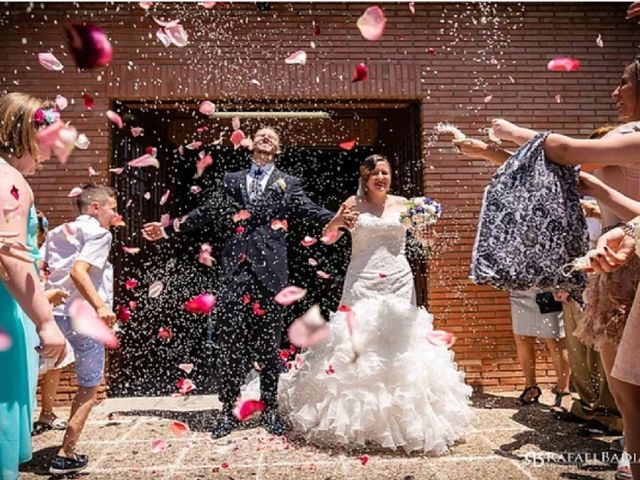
(252,269)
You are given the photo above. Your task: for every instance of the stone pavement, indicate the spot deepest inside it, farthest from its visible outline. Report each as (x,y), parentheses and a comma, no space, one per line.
(504,440)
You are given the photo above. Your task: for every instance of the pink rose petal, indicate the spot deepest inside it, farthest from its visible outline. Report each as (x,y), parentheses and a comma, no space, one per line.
(241,215)
(179,429)
(145,160)
(61,102)
(245,410)
(177,35)
(166,24)
(564,64)
(235,122)
(309,329)
(372,23)
(195,189)
(92,172)
(599,41)
(85,322)
(329,237)
(313,262)
(246,143)
(158,445)
(147,195)
(207,108)
(348,145)
(360,73)
(205,256)
(202,164)
(280,225)
(115,118)
(323,275)
(186,367)
(58,139)
(163,37)
(558,98)
(441,338)
(82,142)
(194,145)
(201,304)
(164,334)
(207,5)
(136,131)
(117,170)
(50,62)
(165,219)
(412,7)
(131,250)
(488,98)
(236,137)
(165,197)
(297,58)
(5,341)
(156,289)
(308,241)
(185,386)
(145,5)
(289,295)
(75,191)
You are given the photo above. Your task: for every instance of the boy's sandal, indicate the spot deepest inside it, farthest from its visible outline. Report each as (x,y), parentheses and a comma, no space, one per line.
(524,396)
(55,424)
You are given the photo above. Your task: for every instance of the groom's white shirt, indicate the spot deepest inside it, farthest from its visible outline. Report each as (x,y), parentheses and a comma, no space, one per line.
(264,178)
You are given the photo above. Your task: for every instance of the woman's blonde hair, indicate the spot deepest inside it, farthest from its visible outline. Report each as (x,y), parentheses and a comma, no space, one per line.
(17,123)
(366,167)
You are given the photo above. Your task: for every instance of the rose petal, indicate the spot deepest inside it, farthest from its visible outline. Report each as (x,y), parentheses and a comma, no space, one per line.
(313,262)
(123,313)
(185,386)
(207,5)
(155,289)
(441,338)
(280,224)
(360,73)
(195,189)
(599,41)
(136,131)
(348,145)
(193,145)
(115,118)
(563,64)
(179,429)
(329,237)
(50,62)
(364,459)
(15,192)
(207,107)
(145,5)
(158,445)
(117,170)
(117,221)
(235,122)
(177,35)
(85,322)
(186,367)
(246,143)
(165,219)
(92,172)
(88,44)
(163,37)
(372,23)
(61,102)
(236,137)
(289,295)
(323,275)
(245,410)
(164,334)
(153,151)
(241,215)
(147,195)
(166,24)
(308,241)
(165,197)
(297,58)
(88,101)
(309,329)
(201,304)
(145,160)
(202,165)
(558,98)
(5,341)
(75,191)
(82,142)
(131,250)
(488,98)
(412,7)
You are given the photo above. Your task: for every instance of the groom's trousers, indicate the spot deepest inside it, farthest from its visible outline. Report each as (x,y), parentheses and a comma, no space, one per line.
(248,329)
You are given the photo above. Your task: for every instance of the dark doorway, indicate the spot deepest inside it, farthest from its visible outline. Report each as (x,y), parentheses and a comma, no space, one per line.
(148,365)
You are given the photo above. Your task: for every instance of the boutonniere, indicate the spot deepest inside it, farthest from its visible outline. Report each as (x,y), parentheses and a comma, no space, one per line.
(282,184)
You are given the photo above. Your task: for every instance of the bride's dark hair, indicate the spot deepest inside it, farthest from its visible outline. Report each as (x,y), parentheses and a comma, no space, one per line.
(366,167)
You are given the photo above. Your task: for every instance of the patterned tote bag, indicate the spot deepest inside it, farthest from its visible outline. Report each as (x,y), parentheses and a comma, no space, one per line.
(531,225)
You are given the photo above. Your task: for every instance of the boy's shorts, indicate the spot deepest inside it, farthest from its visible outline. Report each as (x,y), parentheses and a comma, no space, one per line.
(89,354)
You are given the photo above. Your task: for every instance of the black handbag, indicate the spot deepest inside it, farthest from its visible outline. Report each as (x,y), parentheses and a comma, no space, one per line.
(531,225)
(548,304)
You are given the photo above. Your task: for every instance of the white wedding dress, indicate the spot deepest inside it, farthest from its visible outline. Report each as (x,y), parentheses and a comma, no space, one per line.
(401,391)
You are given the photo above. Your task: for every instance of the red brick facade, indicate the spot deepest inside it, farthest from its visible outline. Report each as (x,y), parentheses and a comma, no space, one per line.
(477,51)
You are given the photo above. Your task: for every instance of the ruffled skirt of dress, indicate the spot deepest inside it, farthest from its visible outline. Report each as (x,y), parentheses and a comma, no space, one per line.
(401,392)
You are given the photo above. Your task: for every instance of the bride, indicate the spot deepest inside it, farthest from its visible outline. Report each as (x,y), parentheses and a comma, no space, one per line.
(398,391)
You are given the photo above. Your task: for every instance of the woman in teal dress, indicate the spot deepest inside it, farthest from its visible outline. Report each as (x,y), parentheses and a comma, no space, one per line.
(26,319)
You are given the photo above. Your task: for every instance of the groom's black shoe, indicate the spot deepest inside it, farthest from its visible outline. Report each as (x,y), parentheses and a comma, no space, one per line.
(271,422)
(225,424)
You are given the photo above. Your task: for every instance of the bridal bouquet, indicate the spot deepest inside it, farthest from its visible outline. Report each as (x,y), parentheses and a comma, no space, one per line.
(420,214)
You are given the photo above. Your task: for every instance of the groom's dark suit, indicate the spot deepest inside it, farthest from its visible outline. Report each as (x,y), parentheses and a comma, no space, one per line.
(252,269)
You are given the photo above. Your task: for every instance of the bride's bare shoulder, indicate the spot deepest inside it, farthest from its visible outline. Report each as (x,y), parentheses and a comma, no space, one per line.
(351,201)
(397,199)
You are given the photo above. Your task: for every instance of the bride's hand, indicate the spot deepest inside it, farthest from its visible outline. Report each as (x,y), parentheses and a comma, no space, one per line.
(348,216)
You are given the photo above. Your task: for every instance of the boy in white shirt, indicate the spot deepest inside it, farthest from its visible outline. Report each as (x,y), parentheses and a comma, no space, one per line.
(76,257)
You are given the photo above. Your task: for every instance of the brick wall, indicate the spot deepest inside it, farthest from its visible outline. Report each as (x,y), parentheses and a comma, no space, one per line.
(480,50)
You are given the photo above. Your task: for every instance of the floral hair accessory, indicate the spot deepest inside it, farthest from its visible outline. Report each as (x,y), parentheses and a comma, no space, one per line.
(46,116)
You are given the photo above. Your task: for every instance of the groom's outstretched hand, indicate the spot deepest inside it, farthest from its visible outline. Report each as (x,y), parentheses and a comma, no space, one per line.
(152,231)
